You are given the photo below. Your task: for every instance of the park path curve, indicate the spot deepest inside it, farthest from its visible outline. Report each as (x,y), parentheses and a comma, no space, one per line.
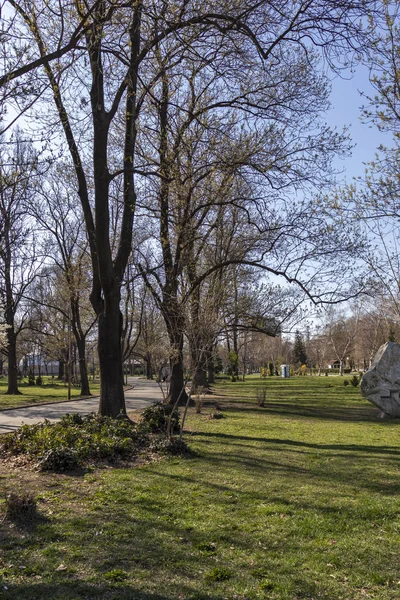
(141,394)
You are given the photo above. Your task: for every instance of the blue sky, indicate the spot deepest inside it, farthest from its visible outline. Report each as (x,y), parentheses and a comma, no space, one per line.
(346,102)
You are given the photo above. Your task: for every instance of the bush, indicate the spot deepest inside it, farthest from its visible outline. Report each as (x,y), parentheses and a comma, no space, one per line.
(346,382)
(174,446)
(155,418)
(39,380)
(65,445)
(20,508)
(199,400)
(355,381)
(59,460)
(216,415)
(271,368)
(261,395)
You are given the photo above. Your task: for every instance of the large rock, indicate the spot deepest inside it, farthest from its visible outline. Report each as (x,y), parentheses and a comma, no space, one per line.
(381,383)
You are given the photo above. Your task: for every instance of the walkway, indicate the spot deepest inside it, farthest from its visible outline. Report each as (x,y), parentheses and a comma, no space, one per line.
(142,394)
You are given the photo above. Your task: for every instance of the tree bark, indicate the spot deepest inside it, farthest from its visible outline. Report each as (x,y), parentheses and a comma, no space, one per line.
(112,399)
(12,362)
(177,380)
(210,368)
(85,387)
(200,376)
(149,370)
(61,368)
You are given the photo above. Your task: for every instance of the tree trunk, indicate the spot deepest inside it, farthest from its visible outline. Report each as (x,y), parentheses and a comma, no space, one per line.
(149,370)
(177,383)
(199,364)
(210,372)
(235,364)
(177,380)
(12,363)
(199,376)
(210,366)
(112,399)
(85,387)
(61,368)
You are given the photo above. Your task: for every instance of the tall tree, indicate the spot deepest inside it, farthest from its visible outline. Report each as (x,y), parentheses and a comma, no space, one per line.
(299,350)
(19,262)
(342,334)
(59,219)
(111,67)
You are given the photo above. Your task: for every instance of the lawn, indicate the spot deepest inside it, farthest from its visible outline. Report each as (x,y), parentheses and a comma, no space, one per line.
(296,500)
(52,390)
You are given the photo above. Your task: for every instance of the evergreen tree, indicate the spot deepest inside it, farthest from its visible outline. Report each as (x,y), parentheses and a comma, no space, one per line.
(299,350)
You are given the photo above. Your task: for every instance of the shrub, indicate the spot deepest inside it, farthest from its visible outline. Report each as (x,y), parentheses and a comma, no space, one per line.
(59,460)
(199,404)
(155,418)
(69,443)
(271,368)
(355,381)
(39,380)
(31,378)
(261,395)
(20,508)
(174,446)
(346,382)
(216,415)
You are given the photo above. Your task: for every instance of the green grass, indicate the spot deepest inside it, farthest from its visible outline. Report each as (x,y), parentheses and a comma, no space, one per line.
(51,391)
(300,499)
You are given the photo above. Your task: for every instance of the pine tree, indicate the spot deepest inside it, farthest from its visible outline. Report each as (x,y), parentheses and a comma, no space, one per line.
(299,350)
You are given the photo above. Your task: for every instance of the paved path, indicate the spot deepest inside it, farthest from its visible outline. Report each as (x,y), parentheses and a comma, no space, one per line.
(142,394)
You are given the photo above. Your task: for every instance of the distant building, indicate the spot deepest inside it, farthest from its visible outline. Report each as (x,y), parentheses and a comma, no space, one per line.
(333,364)
(38,365)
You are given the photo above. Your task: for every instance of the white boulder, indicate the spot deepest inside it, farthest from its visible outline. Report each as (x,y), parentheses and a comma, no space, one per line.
(381,383)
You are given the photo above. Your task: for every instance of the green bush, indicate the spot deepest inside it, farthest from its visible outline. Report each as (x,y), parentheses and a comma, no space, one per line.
(155,418)
(346,382)
(59,459)
(174,446)
(69,443)
(39,380)
(355,381)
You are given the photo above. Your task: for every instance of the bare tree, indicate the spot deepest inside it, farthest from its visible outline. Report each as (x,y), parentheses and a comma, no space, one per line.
(111,66)
(342,333)
(59,219)
(19,262)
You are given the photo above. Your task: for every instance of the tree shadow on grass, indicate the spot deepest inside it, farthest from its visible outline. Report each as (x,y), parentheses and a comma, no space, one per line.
(73,590)
(150,549)
(366,466)
(301,409)
(242,440)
